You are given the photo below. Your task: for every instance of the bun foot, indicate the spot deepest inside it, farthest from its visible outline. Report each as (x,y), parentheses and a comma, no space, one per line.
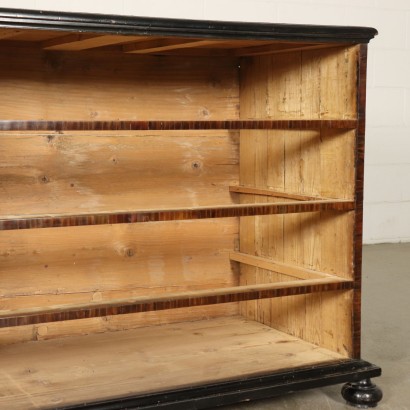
(362,395)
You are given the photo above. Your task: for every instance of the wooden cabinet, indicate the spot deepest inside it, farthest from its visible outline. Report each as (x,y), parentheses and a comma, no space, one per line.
(181,211)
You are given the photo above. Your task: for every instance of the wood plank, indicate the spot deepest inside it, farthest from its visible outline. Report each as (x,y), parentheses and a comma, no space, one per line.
(214,52)
(22,317)
(212,49)
(96,170)
(278,79)
(84,41)
(247,225)
(32,37)
(258,151)
(9,33)
(260,139)
(82,264)
(293,235)
(328,83)
(233,44)
(269,192)
(274,310)
(109,324)
(271,265)
(164,44)
(112,86)
(10,222)
(312,163)
(297,88)
(337,168)
(278,48)
(68,371)
(174,125)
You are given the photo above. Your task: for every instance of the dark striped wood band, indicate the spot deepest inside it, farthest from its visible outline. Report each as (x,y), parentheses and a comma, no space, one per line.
(57,221)
(173,125)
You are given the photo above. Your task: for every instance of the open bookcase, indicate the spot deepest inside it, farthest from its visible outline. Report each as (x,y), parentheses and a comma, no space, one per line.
(181,211)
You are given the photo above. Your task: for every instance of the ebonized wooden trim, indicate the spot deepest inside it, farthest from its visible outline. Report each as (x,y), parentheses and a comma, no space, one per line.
(362,395)
(148,26)
(179,214)
(174,125)
(257,387)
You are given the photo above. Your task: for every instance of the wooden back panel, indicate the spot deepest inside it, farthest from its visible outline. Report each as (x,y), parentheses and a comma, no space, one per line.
(84,264)
(71,172)
(55,85)
(95,171)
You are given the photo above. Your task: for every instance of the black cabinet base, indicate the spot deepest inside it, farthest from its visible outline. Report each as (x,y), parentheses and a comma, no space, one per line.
(251,388)
(362,394)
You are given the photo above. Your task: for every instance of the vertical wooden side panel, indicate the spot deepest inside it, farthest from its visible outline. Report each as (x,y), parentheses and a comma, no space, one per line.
(337,83)
(283,87)
(337,170)
(317,84)
(337,163)
(359,187)
(336,246)
(328,83)
(294,319)
(310,85)
(310,234)
(335,320)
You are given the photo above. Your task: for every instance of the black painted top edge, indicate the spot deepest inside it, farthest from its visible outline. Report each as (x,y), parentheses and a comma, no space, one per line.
(128,25)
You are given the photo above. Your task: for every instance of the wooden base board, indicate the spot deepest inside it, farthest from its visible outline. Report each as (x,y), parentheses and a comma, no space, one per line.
(58,373)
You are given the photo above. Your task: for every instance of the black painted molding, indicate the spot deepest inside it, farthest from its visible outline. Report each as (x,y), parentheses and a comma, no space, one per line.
(114,24)
(246,389)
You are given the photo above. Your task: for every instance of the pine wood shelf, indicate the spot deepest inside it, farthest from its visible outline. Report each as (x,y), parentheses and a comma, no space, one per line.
(32,316)
(181,214)
(137,354)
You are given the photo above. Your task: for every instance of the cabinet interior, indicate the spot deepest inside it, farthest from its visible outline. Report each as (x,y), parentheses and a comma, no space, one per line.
(250,291)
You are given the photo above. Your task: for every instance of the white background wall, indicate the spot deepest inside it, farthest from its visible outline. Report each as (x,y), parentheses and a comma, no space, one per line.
(387,186)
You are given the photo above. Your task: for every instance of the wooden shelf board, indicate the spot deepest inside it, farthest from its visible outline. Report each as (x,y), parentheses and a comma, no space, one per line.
(11,222)
(17,125)
(81,369)
(22,317)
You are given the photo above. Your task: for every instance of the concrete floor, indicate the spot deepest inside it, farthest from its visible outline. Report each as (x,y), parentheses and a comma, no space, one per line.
(385,336)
